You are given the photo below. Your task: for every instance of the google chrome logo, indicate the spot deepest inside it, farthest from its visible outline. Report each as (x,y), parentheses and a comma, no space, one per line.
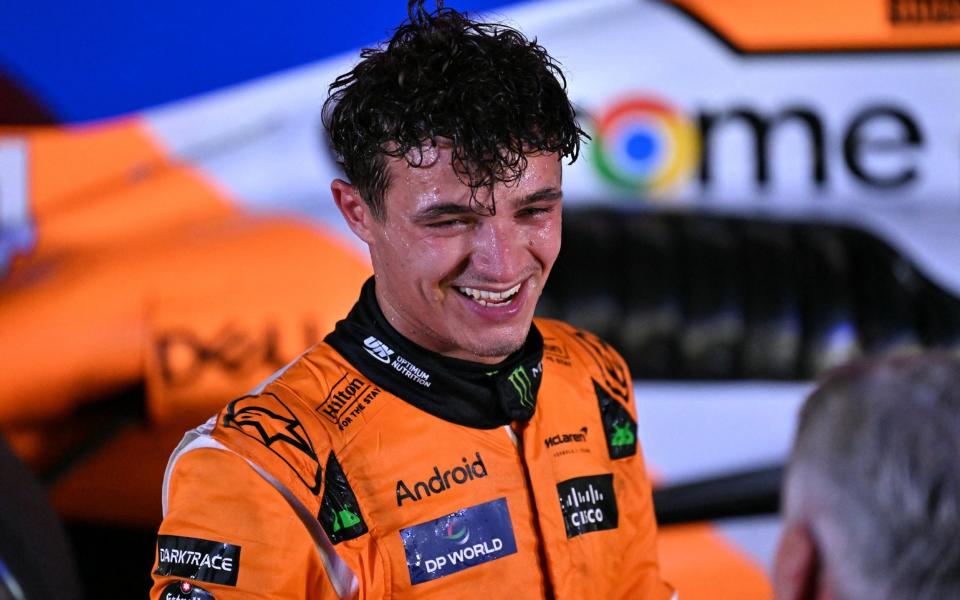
(645,145)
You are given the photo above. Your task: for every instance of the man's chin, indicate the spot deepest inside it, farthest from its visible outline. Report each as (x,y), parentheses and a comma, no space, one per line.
(493,349)
(497,352)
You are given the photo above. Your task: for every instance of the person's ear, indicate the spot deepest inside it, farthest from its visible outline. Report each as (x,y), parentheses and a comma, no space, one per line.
(355,211)
(796,569)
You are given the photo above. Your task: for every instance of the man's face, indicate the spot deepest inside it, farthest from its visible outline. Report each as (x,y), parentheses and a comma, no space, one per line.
(459,283)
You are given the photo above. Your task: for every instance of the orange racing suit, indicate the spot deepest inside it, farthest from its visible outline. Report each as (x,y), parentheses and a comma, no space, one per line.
(372,467)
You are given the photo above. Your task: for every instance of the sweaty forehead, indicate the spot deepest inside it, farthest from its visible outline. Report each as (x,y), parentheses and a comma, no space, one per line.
(426,175)
(426,155)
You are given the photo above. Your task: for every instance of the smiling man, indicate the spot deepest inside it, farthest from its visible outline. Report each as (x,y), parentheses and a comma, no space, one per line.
(440,442)
(458,269)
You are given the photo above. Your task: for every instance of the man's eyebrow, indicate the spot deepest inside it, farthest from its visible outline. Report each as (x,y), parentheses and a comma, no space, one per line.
(548,193)
(436,211)
(448,209)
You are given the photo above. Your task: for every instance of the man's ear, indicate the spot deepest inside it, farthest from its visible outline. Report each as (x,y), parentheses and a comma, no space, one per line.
(354,210)
(796,568)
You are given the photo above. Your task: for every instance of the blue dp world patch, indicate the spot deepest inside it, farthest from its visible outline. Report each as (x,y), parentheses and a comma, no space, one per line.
(458,541)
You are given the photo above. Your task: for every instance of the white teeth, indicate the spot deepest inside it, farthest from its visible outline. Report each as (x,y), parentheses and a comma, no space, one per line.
(486,297)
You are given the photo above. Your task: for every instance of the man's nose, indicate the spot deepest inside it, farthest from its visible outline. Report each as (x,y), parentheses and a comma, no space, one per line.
(498,251)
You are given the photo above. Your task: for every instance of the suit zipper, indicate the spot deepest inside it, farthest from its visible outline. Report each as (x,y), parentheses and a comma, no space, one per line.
(516,436)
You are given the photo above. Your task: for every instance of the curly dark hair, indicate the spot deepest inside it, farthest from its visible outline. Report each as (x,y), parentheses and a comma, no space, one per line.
(494,94)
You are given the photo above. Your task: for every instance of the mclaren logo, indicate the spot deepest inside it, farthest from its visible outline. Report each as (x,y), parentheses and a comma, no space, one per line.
(566,438)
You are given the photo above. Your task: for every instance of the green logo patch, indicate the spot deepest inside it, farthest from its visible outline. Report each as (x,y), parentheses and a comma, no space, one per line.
(339,510)
(618,426)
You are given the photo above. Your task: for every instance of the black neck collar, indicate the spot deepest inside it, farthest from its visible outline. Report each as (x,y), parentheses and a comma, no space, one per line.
(459,391)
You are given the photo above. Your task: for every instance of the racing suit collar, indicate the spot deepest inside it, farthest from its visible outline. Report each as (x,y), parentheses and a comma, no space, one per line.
(463,392)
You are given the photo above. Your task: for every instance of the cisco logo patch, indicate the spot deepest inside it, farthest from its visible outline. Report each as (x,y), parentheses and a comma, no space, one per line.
(588,504)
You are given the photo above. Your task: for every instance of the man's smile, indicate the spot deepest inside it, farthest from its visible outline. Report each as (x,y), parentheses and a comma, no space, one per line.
(489,297)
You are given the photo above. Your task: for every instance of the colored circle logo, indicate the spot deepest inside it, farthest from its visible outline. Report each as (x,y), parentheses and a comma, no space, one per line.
(645,145)
(457,532)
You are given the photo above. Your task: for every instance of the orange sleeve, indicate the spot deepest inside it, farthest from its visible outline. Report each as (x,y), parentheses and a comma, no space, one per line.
(638,513)
(215,496)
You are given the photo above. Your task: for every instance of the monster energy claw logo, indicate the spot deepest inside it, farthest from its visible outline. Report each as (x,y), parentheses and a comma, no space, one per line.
(521,382)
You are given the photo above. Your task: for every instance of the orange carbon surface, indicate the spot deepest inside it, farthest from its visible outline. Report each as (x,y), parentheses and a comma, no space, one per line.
(701,565)
(132,246)
(106,184)
(128,242)
(829,25)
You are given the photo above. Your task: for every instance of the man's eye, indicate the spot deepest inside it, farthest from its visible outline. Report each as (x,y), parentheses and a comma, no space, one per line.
(533,211)
(448,223)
